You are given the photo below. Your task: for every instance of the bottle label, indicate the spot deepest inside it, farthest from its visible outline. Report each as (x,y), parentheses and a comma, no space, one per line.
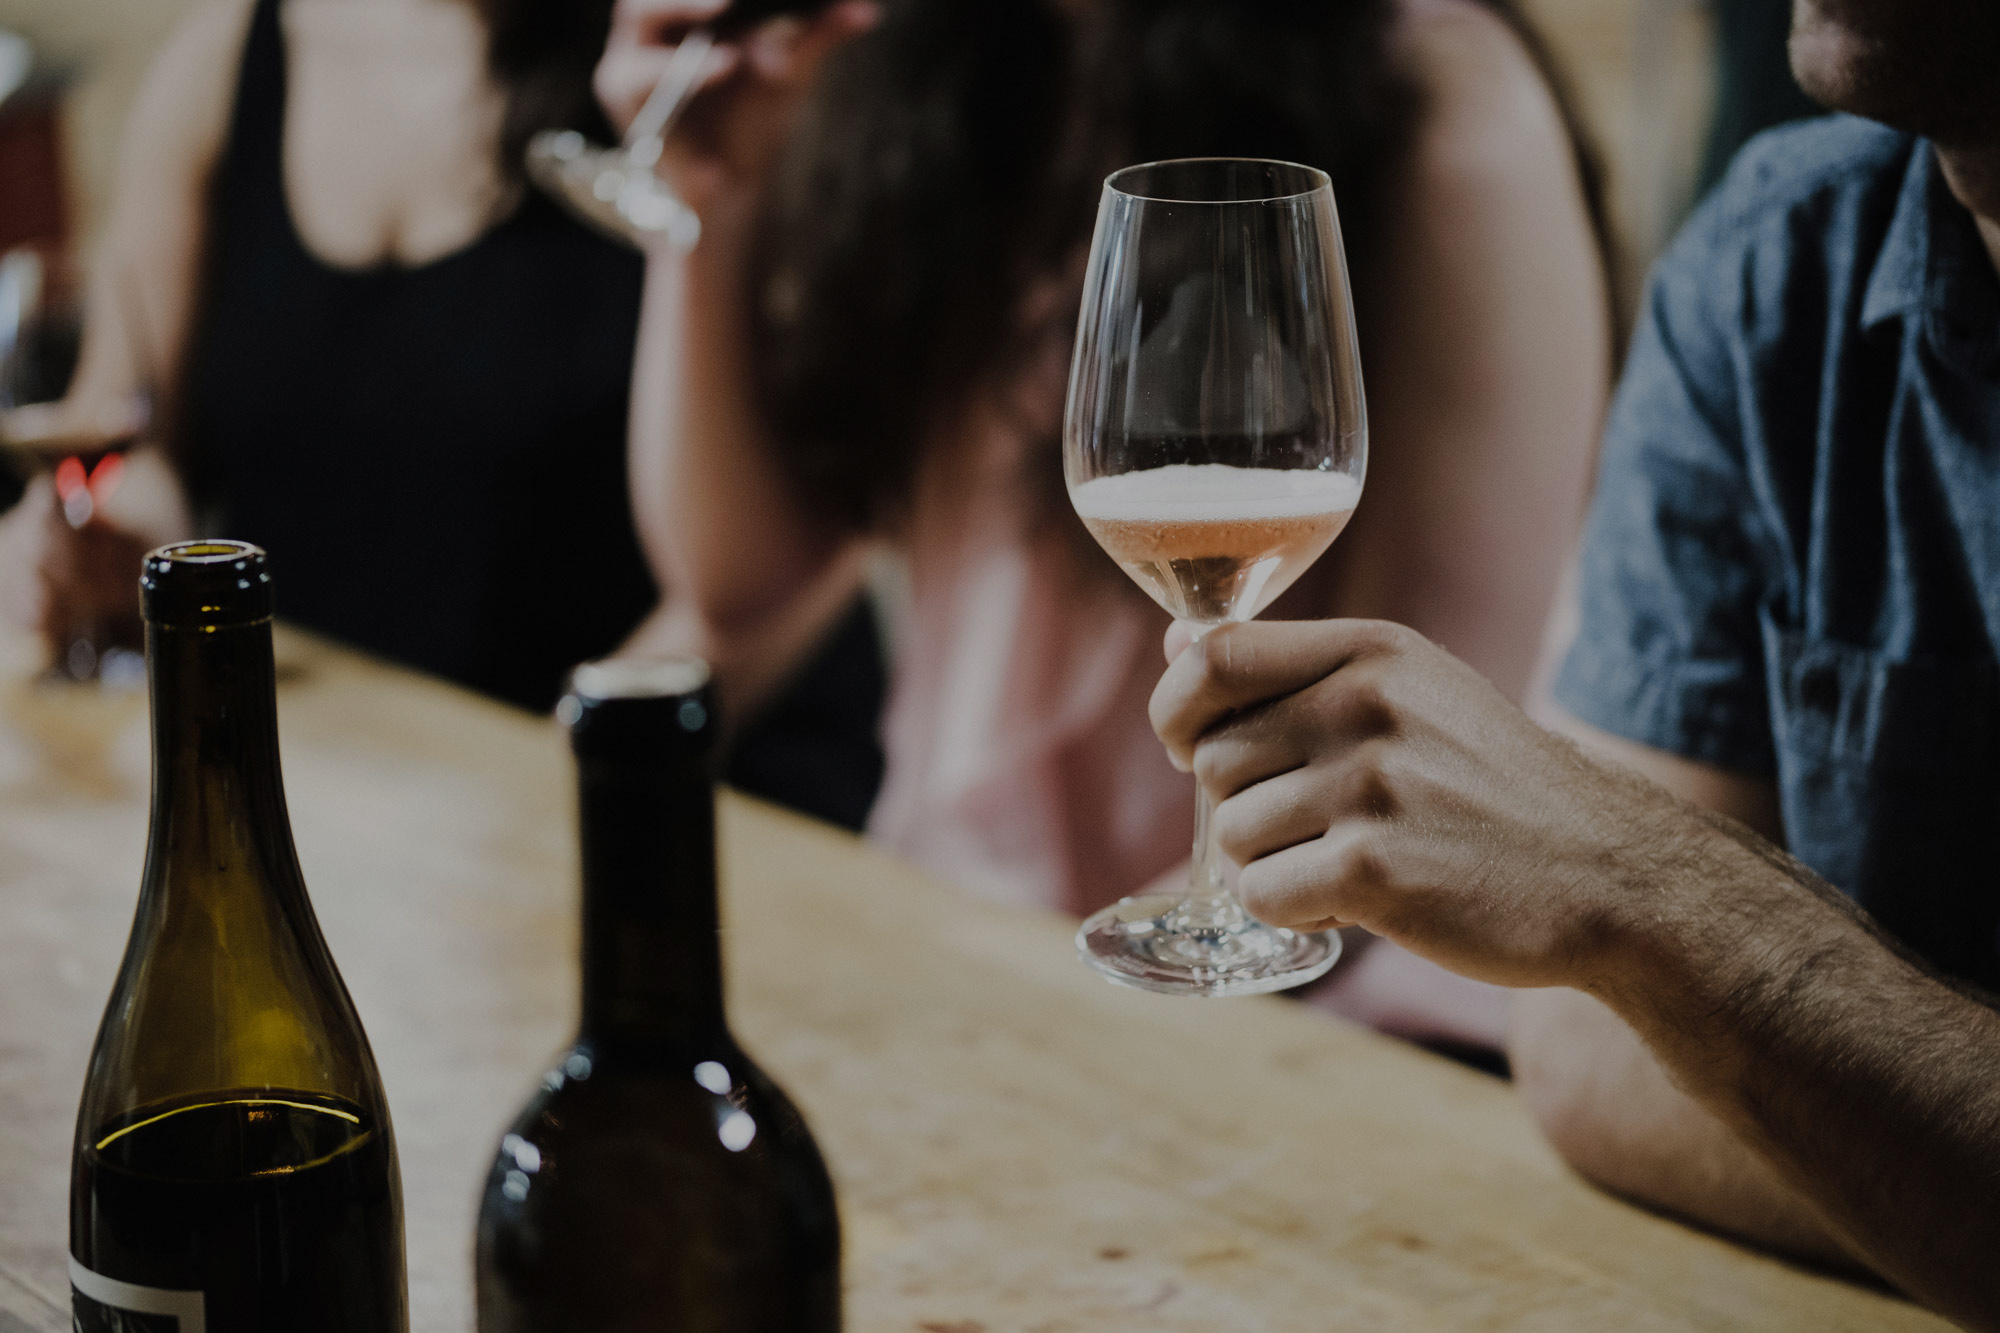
(100,1304)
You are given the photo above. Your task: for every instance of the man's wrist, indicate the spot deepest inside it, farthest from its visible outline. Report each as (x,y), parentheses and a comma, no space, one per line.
(1730,955)
(1707,925)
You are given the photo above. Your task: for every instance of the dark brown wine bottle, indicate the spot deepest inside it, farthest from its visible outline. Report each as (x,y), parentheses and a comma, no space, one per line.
(658,1180)
(234,1170)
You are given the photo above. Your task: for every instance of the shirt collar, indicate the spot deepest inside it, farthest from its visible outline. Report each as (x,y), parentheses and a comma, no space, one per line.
(1933,265)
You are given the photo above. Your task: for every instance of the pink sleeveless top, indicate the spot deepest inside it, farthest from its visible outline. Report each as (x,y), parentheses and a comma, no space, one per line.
(1021,763)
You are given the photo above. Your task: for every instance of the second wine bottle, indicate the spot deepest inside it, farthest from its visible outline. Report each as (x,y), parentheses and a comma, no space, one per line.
(658,1180)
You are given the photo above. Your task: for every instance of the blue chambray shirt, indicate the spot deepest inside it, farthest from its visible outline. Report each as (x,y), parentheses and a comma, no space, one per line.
(1792,565)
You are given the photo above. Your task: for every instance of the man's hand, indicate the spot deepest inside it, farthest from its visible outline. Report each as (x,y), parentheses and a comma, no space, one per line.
(1365,776)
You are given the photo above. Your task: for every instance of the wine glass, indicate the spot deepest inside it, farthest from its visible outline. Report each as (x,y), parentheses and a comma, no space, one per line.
(81,447)
(616,189)
(1214,442)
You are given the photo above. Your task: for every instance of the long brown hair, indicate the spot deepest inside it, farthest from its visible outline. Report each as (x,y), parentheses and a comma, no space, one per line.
(953,155)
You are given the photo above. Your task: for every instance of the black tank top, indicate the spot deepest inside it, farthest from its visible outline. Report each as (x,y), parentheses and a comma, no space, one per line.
(433,455)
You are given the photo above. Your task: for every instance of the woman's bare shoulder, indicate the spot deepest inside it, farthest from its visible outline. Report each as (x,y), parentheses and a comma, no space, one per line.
(1486,106)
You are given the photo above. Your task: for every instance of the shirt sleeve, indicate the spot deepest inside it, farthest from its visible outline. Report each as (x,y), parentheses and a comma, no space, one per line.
(1673,569)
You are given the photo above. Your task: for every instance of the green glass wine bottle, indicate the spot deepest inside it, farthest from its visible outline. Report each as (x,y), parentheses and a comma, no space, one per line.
(234,1170)
(658,1180)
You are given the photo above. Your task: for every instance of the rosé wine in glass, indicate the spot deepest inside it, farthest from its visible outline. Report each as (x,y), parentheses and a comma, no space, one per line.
(1215,439)
(1214,543)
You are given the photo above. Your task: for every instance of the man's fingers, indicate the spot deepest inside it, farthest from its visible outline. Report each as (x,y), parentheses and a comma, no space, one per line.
(1302,803)
(1239,666)
(1248,748)
(1271,816)
(1334,877)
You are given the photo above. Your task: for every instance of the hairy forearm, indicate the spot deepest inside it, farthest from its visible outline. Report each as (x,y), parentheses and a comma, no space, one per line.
(1871,1087)
(1617,1117)
(1364,776)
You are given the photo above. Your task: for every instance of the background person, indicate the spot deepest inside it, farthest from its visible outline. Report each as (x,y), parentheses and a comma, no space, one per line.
(368,336)
(1364,775)
(871,341)
(367,332)
(1790,572)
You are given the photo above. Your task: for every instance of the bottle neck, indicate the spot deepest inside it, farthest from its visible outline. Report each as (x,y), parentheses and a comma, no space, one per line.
(218,794)
(652,962)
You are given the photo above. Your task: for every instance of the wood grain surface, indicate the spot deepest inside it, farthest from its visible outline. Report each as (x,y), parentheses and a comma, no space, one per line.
(1017,1145)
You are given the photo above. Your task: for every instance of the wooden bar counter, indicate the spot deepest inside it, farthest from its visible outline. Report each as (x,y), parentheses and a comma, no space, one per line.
(1017,1145)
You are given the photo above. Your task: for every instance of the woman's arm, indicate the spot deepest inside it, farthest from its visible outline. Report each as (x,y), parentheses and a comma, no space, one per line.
(727,534)
(140,300)
(751,578)
(751,575)
(1487,348)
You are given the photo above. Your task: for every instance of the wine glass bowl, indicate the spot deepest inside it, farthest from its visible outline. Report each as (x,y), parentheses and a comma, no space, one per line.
(617,189)
(1215,443)
(78,445)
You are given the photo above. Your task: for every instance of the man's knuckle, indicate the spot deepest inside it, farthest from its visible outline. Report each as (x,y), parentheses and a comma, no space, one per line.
(1208,762)
(1361,863)
(1366,705)
(1374,785)
(1392,639)
(1261,890)
(1203,664)
(1234,832)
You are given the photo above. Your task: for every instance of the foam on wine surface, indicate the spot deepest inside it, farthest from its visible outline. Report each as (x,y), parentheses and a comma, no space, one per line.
(1214,543)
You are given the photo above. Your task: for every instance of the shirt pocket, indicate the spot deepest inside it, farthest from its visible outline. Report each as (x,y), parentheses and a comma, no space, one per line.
(1889,781)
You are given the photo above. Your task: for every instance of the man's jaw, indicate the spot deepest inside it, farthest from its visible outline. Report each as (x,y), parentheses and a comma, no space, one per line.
(1925,70)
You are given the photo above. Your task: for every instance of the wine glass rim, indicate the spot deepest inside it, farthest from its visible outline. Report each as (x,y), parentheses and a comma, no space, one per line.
(1321,181)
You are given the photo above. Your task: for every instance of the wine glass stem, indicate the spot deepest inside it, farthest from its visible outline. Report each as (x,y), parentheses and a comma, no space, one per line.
(1210,909)
(648,130)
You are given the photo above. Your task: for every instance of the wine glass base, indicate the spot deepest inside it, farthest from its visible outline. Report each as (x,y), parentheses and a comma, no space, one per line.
(1133,943)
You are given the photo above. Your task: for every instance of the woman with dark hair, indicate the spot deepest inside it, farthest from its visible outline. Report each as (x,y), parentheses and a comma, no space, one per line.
(366,335)
(381,355)
(867,349)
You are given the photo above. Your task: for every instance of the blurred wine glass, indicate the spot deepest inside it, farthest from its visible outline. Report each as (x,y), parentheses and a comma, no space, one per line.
(1214,441)
(80,447)
(617,189)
